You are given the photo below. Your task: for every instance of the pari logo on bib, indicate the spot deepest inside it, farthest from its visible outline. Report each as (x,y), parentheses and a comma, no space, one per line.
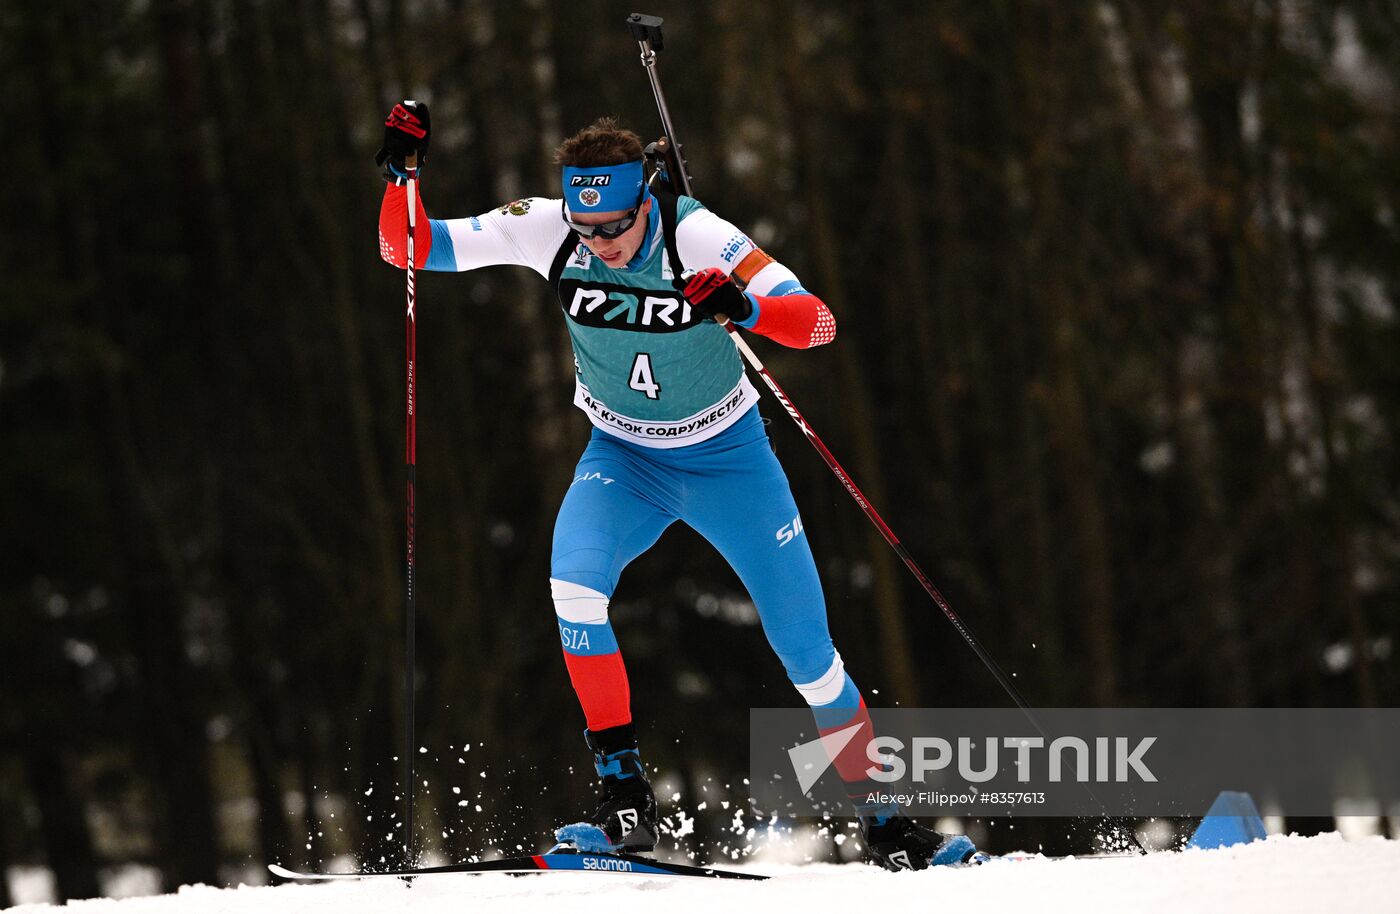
(603,188)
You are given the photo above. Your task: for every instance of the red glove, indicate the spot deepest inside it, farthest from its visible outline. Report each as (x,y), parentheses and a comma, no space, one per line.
(712,292)
(407,132)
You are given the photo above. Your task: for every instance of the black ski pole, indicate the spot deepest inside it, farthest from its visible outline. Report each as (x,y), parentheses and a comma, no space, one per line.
(647,31)
(410,660)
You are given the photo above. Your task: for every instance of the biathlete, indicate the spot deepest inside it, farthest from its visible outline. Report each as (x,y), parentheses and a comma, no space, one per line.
(677,437)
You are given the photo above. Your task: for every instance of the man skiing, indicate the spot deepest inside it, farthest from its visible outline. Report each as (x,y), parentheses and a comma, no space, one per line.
(641,277)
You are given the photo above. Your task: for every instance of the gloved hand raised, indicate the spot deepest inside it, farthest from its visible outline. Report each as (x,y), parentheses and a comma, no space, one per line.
(712,292)
(406,132)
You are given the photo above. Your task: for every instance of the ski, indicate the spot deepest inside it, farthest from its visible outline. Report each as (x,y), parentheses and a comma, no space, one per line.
(539,863)
(1022,857)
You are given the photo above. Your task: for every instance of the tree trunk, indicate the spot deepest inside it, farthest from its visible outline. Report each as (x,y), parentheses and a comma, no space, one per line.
(63,825)
(859,407)
(1060,296)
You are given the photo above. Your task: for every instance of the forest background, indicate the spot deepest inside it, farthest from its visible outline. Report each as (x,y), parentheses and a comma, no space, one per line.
(1118,358)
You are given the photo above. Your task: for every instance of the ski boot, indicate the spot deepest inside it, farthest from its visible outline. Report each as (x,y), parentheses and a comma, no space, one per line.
(625,820)
(897,842)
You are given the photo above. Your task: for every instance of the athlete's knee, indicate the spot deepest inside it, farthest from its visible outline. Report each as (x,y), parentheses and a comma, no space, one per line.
(578,603)
(814,666)
(827,686)
(832,696)
(582,613)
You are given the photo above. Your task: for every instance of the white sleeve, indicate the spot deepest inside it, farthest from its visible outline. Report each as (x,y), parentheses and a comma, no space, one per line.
(774,279)
(706,240)
(526,232)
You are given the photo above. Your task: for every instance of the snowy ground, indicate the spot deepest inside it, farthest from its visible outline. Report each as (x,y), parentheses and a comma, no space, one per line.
(1324,873)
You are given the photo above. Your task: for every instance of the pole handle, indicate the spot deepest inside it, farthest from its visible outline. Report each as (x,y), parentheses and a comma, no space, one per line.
(646,30)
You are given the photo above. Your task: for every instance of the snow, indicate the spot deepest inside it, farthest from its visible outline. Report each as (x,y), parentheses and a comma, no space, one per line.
(1281,874)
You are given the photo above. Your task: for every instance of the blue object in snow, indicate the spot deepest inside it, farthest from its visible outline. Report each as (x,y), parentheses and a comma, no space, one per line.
(1232,819)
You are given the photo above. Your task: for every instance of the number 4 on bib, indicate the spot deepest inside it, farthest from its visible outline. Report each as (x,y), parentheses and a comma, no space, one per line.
(642,379)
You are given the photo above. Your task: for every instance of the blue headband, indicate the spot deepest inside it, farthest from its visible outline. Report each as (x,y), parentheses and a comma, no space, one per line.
(603,188)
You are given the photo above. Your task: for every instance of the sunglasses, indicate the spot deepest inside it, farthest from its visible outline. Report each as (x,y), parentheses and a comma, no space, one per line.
(613,229)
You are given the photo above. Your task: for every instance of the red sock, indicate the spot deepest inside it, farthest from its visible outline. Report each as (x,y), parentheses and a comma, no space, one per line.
(600,681)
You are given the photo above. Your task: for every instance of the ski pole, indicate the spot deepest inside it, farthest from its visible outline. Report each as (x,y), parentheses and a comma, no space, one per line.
(647,31)
(879,522)
(410,660)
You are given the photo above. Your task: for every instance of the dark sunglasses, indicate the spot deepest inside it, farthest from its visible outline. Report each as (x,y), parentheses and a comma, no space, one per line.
(613,229)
